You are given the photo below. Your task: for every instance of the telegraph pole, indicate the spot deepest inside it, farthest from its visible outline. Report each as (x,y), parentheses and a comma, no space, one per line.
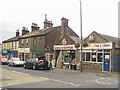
(81,63)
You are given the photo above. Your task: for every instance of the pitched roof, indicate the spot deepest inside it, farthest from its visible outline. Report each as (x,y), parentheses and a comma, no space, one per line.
(39,32)
(111,39)
(75,39)
(11,39)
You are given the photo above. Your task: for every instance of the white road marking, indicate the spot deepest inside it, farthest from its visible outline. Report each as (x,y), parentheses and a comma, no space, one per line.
(44,78)
(105,81)
(65,82)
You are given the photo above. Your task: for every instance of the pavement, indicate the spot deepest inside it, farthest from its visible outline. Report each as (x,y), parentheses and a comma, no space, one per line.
(14,78)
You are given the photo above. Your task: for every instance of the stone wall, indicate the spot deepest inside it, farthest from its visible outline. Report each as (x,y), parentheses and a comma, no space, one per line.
(92,66)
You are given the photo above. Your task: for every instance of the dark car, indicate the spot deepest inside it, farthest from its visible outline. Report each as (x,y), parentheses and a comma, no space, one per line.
(36,63)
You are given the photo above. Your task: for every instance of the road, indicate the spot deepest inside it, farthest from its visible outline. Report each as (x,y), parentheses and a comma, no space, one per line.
(17,77)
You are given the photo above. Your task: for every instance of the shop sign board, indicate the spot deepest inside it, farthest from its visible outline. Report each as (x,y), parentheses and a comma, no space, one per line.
(99,46)
(64,47)
(38,50)
(5,51)
(24,50)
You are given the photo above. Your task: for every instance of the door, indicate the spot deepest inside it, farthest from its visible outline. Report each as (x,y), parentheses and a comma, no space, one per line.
(107,62)
(29,63)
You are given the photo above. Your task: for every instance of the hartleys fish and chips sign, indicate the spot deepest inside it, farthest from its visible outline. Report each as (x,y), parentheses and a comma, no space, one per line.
(90,46)
(99,46)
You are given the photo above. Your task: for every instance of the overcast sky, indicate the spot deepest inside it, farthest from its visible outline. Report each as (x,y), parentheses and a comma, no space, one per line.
(98,15)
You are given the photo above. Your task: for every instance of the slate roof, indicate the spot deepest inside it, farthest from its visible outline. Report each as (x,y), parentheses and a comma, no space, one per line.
(75,39)
(34,33)
(11,39)
(112,39)
(39,32)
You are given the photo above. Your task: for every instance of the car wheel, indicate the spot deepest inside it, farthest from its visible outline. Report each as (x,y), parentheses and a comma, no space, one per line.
(13,65)
(34,67)
(24,66)
(9,65)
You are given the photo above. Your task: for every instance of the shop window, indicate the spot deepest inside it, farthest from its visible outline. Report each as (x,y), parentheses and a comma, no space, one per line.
(100,56)
(93,57)
(83,56)
(87,56)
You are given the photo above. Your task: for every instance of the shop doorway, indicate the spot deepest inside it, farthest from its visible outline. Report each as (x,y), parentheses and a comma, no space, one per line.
(107,62)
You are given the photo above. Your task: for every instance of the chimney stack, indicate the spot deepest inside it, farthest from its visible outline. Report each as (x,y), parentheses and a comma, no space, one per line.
(34,27)
(17,33)
(64,22)
(47,24)
(25,31)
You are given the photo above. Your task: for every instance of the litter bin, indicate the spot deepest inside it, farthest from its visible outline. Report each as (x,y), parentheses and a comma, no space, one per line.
(73,67)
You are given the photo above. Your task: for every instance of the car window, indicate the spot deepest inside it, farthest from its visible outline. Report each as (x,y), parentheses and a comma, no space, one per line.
(34,60)
(16,59)
(3,58)
(30,60)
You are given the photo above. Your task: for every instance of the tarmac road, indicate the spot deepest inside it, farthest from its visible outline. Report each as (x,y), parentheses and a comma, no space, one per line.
(17,77)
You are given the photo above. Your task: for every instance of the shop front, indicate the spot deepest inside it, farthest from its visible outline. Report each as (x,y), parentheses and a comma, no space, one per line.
(65,55)
(6,53)
(13,54)
(37,53)
(97,57)
(24,53)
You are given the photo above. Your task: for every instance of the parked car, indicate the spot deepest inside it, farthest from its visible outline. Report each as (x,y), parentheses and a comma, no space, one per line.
(36,63)
(3,60)
(16,62)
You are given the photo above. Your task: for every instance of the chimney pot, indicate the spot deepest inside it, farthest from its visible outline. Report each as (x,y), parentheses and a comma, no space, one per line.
(17,33)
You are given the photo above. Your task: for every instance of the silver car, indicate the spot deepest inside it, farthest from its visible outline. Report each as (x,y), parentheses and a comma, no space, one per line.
(15,62)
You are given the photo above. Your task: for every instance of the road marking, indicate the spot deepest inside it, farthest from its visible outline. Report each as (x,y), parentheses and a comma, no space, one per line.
(65,82)
(21,72)
(45,78)
(105,81)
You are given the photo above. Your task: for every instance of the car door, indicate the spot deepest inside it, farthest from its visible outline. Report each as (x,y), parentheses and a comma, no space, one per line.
(33,62)
(28,63)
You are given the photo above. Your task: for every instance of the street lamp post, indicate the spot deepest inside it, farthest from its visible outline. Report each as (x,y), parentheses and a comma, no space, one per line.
(81,65)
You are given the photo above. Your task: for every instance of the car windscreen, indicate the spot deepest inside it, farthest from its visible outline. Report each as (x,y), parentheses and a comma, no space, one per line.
(3,59)
(16,59)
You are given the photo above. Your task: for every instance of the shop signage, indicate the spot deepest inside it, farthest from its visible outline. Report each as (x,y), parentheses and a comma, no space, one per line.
(24,50)
(99,46)
(5,51)
(38,50)
(64,47)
